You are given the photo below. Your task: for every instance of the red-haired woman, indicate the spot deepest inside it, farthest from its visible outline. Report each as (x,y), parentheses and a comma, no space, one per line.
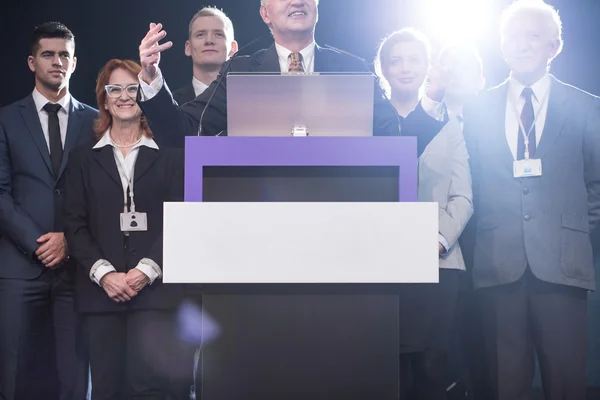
(115,191)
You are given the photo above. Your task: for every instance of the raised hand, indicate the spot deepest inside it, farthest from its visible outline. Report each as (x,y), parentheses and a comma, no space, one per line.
(150,51)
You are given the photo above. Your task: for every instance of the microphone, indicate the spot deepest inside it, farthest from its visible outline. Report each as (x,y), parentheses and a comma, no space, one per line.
(223,74)
(362,60)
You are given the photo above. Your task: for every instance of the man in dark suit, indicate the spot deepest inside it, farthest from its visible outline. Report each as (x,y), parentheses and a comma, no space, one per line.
(36,276)
(292,24)
(210,44)
(535,153)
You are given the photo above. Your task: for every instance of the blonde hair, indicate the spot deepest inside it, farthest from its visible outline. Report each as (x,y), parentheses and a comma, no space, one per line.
(214,12)
(388,43)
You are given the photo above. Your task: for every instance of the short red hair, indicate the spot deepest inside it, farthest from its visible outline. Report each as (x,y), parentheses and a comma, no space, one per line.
(104,120)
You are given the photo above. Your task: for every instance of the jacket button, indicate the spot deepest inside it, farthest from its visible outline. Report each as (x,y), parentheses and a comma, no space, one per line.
(527,217)
(525,190)
(57,192)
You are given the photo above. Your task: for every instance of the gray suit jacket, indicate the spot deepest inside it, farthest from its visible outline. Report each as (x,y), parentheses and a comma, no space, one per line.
(445,178)
(541,222)
(31,196)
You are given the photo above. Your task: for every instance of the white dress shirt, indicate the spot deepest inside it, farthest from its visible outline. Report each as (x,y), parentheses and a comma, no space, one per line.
(199,86)
(126,167)
(541,92)
(308,61)
(63,114)
(308,57)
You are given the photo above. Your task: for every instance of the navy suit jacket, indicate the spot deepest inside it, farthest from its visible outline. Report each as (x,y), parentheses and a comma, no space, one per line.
(184,94)
(31,196)
(164,116)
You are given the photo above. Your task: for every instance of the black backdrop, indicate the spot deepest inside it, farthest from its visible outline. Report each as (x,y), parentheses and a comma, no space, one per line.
(111,28)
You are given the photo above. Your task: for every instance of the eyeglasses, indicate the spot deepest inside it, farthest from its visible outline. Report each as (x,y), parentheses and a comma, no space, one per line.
(115,91)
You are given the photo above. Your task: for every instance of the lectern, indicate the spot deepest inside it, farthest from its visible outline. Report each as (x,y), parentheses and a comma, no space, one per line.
(300,244)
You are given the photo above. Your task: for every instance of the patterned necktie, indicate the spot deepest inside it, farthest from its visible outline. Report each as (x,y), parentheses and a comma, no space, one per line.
(54,139)
(527,118)
(295,63)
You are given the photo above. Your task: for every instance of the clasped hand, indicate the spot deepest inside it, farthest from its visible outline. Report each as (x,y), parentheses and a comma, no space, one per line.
(121,287)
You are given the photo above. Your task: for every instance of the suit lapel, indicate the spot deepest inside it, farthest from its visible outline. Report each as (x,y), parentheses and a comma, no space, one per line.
(105,157)
(555,117)
(322,63)
(73,131)
(146,157)
(267,61)
(32,121)
(499,116)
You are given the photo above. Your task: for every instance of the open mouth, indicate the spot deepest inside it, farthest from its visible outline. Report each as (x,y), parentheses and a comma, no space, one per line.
(125,105)
(297,14)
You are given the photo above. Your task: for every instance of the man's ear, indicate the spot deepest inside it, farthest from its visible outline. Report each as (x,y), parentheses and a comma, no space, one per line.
(188,49)
(31,63)
(234,48)
(264,13)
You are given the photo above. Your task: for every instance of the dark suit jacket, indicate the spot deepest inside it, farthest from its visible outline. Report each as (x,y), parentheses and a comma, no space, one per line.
(184,94)
(31,196)
(164,116)
(93,203)
(541,222)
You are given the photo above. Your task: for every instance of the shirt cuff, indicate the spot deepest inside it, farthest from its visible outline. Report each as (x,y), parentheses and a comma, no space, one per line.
(434,109)
(99,269)
(151,90)
(444,243)
(150,269)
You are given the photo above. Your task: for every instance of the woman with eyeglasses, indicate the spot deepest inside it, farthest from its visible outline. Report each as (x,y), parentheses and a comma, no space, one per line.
(115,192)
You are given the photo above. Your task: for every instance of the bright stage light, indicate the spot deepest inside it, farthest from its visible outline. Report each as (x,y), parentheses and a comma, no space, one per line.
(455,21)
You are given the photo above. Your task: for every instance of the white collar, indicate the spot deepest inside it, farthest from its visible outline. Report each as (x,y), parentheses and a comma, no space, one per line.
(539,88)
(308,52)
(40,101)
(106,140)
(199,86)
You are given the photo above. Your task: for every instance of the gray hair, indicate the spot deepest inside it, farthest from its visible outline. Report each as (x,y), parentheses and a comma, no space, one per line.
(540,8)
(263,2)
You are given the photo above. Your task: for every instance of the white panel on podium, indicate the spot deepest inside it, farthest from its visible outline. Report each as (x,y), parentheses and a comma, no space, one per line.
(304,242)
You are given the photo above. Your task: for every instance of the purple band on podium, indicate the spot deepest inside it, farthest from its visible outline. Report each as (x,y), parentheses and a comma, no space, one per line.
(212,151)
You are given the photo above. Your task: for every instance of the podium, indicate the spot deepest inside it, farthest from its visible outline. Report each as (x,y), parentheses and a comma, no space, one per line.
(300,244)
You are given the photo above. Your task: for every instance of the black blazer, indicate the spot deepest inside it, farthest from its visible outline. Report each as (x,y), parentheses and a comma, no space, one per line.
(164,116)
(184,94)
(31,195)
(93,203)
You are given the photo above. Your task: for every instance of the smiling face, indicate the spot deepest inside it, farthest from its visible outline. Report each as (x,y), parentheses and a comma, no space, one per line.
(405,67)
(53,63)
(528,45)
(123,108)
(208,44)
(290,17)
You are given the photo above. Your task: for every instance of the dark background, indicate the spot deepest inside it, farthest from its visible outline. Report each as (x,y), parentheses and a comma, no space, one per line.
(111,28)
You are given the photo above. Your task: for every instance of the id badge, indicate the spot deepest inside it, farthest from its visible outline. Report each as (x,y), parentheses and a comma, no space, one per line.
(133,221)
(527,168)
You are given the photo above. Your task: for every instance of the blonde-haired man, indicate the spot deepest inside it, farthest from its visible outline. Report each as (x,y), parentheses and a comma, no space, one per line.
(210,44)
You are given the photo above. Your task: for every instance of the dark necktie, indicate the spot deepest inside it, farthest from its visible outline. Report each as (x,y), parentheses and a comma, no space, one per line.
(527,118)
(295,63)
(56,148)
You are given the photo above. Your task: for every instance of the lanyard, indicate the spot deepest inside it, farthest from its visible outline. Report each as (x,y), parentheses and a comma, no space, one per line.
(123,167)
(518,115)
